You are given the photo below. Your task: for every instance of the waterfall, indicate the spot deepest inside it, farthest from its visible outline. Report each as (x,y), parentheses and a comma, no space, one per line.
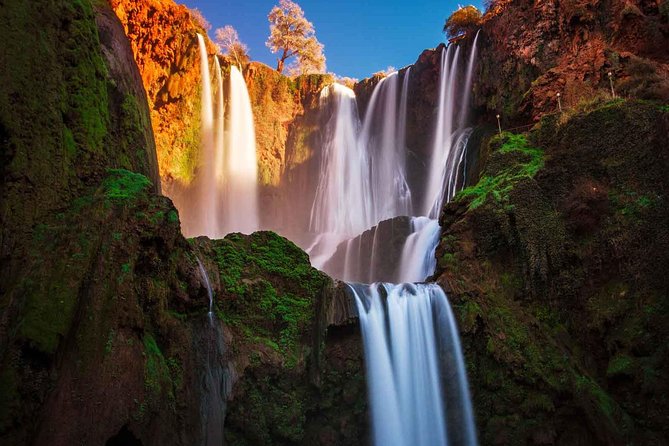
(209,191)
(223,197)
(410,339)
(215,376)
(451,137)
(210,294)
(241,160)
(418,260)
(362,171)
(219,142)
(342,204)
(386,147)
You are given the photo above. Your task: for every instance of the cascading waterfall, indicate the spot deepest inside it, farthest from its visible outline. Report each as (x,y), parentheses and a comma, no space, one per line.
(418,260)
(417,381)
(241,160)
(342,203)
(362,176)
(451,137)
(219,142)
(410,338)
(405,339)
(383,136)
(342,206)
(223,197)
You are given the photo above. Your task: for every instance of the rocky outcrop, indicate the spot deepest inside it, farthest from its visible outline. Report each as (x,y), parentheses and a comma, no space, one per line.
(103,309)
(163,36)
(530,51)
(552,263)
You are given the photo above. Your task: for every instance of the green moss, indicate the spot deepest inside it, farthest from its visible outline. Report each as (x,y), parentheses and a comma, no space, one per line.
(122,185)
(156,371)
(276,307)
(499,184)
(621,365)
(172,216)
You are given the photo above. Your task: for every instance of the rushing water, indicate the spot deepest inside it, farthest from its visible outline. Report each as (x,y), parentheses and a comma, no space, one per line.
(214,376)
(416,376)
(241,160)
(223,197)
(410,337)
(209,193)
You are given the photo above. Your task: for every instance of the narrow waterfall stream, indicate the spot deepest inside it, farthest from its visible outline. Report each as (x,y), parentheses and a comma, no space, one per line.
(214,378)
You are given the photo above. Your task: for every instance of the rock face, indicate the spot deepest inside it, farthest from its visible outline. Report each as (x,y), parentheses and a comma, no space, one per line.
(552,263)
(530,51)
(164,42)
(103,308)
(163,36)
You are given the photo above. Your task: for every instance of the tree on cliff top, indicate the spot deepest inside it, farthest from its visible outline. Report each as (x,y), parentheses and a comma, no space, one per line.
(228,42)
(291,34)
(462,21)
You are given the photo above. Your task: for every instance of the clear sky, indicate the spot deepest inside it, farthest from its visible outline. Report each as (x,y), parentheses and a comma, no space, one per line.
(361,37)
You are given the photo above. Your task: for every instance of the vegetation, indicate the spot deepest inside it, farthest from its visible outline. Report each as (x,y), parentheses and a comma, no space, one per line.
(276,307)
(462,21)
(228,42)
(292,35)
(500,183)
(123,185)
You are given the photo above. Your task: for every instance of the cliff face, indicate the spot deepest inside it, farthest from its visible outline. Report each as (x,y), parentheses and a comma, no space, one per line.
(552,263)
(104,333)
(530,51)
(163,36)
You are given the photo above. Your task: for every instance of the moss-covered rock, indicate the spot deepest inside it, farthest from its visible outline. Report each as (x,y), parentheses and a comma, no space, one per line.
(553,273)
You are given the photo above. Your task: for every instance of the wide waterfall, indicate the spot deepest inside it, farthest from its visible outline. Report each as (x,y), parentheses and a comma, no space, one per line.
(410,338)
(362,173)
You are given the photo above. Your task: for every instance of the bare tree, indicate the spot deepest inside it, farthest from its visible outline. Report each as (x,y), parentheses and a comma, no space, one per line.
(200,19)
(291,34)
(228,42)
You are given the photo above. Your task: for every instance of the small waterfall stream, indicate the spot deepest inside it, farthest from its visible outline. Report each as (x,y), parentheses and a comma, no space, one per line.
(215,376)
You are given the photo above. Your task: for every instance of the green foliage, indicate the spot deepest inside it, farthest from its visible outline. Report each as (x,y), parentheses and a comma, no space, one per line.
(172,216)
(122,185)
(620,365)
(156,371)
(500,184)
(462,21)
(270,290)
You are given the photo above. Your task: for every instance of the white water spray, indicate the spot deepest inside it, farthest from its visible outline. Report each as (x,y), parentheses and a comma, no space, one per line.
(209,194)
(404,341)
(241,161)
(382,136)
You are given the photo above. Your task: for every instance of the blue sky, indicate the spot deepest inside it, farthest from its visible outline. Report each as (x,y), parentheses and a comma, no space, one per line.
(360,36)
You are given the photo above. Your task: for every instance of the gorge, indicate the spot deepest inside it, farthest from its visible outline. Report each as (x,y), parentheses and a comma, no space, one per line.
(201,250)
